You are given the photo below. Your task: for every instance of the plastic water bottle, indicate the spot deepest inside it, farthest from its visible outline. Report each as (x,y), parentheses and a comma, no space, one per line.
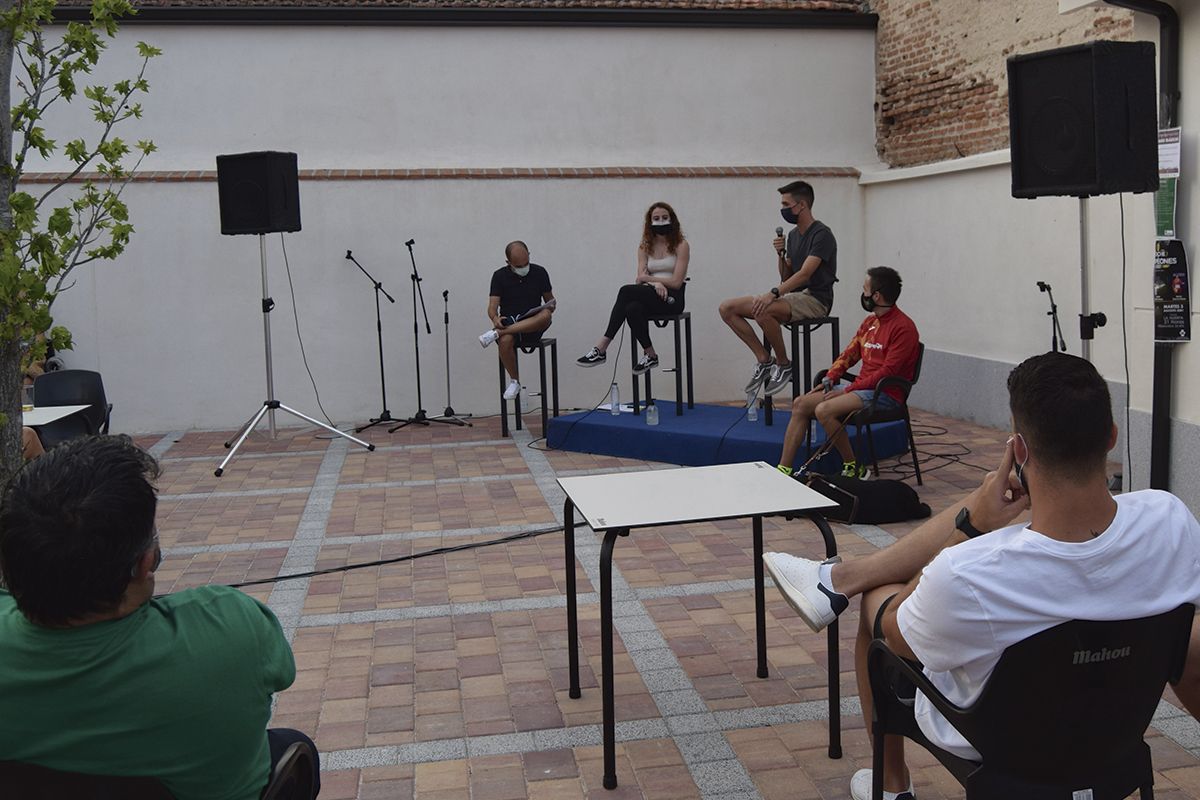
(752,406)
(614,400)
(651,413)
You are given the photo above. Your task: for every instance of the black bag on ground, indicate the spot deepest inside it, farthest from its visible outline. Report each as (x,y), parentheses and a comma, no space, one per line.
(873,502)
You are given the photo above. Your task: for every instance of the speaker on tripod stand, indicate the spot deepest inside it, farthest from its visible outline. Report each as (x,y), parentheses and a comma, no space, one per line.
(259,193)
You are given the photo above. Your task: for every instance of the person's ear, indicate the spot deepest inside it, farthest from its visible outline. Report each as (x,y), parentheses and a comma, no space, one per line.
(1020,450)
(145,565)
(1112,437)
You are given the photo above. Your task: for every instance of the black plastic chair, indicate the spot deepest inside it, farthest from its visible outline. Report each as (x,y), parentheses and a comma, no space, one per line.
(1064,710)
(69,387)
(291,780)
(870,415)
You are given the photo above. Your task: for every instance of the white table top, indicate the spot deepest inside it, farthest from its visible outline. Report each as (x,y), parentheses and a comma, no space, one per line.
(688,494)
(44,415)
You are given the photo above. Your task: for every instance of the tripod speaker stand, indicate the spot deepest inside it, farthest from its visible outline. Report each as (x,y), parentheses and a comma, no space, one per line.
(270,405)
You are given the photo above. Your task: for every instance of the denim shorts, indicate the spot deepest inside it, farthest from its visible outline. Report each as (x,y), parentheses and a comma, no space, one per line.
(885,402)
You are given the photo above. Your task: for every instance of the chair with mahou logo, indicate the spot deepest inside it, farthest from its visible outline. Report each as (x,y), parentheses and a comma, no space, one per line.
(1064,712)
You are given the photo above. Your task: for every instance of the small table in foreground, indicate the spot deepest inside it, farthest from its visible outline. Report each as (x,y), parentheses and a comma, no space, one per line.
(617,503)
(44,415)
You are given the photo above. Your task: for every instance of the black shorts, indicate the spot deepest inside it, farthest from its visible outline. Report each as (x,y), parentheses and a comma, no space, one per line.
(529,339)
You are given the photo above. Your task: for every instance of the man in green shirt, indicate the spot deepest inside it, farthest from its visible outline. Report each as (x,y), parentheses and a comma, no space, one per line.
(97,676)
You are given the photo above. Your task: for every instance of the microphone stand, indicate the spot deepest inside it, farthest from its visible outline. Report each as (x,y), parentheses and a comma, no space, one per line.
(385,415)
(448,415)
(1059,344)
(419,418)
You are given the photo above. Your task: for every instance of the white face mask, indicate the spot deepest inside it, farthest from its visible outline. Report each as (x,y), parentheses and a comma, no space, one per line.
(521,271)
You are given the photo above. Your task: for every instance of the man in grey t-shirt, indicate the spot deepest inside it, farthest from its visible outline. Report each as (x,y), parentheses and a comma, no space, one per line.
(807,272)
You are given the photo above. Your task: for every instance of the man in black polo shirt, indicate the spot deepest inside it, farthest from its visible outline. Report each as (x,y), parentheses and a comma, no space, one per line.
(518,288)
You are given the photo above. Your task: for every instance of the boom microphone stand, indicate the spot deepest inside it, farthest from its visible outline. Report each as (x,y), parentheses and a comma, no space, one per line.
(448,415)
(271,404)
(419,418)
(1058,344)
(385,415)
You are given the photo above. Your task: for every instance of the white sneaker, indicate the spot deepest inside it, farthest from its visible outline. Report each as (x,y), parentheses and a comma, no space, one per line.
(860,788)
(797,579)
(514,389)
(489,337)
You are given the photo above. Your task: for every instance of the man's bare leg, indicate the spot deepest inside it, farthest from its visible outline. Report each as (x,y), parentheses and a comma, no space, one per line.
(803,408)
(508,339)
(771,320)
(895,772)
(736,313)
(831,412)
(898,562)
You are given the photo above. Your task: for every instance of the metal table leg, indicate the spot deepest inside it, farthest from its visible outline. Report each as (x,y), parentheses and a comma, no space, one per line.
(572,607)
(834,668)
(609,727)
(760,604)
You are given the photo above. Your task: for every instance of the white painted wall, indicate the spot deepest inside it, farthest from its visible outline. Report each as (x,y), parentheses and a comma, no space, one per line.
(175,325)
(176,328)
(386,96)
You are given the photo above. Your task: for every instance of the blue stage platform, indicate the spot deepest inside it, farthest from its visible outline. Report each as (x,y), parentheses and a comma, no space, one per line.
(704,435)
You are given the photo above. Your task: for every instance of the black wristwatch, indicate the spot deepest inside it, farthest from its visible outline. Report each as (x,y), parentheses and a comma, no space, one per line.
(963,523)
(775,291)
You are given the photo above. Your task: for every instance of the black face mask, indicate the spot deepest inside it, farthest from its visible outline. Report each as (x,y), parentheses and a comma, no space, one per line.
(789,216)
(869,304)
(662,228)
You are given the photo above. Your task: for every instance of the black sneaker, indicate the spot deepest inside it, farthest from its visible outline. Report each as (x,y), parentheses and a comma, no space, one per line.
(592,358)
(781,376)
(647,363)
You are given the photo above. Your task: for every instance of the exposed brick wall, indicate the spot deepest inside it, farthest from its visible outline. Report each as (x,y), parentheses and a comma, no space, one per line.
(941,85)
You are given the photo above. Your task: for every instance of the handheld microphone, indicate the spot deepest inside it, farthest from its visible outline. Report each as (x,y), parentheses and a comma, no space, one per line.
(1043,286)
(779,234)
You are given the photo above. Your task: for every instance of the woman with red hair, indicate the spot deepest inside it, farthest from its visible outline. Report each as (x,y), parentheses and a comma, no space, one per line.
(657,288)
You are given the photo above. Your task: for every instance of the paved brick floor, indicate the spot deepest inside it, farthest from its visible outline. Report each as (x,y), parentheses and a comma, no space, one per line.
(445,676)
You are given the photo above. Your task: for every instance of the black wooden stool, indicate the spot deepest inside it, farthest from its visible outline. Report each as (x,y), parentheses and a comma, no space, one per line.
(541,347)
(808,326)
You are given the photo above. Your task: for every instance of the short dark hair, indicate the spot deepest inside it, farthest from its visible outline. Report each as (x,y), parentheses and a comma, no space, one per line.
(800,190)
(72,526)
(1062,407)
(886,281)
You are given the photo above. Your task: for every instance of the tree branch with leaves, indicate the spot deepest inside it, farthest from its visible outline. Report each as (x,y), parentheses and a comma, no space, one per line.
(81,217)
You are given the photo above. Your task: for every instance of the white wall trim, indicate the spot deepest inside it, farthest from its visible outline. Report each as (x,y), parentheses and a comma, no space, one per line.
(978,161)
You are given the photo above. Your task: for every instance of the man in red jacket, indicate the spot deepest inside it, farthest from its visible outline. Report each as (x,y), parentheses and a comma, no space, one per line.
(886,344)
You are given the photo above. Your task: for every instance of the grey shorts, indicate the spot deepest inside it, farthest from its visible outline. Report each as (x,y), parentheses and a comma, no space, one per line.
(885,402)
(804,306)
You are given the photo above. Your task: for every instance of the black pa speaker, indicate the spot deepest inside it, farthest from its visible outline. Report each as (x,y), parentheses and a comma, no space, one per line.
(258,193)
(1082,120)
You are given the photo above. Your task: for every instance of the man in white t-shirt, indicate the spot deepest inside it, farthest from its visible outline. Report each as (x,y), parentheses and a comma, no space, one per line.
(953,598)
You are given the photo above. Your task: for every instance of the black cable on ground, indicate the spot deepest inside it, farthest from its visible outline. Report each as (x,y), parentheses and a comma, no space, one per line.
(411,557)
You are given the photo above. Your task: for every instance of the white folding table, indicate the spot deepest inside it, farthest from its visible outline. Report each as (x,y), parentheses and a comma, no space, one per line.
(617,503)
(44,415)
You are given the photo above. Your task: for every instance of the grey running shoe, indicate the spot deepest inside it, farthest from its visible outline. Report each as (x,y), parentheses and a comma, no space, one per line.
(761,373)
(780,377)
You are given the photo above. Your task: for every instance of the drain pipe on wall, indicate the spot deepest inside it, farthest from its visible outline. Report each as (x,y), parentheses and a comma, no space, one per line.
(1164,354)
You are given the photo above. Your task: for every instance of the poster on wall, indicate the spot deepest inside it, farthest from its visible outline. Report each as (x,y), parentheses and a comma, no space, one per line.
(1168,182)
(1172,308)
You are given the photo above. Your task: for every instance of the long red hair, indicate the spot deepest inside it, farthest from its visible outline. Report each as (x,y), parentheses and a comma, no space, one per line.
(673,238)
